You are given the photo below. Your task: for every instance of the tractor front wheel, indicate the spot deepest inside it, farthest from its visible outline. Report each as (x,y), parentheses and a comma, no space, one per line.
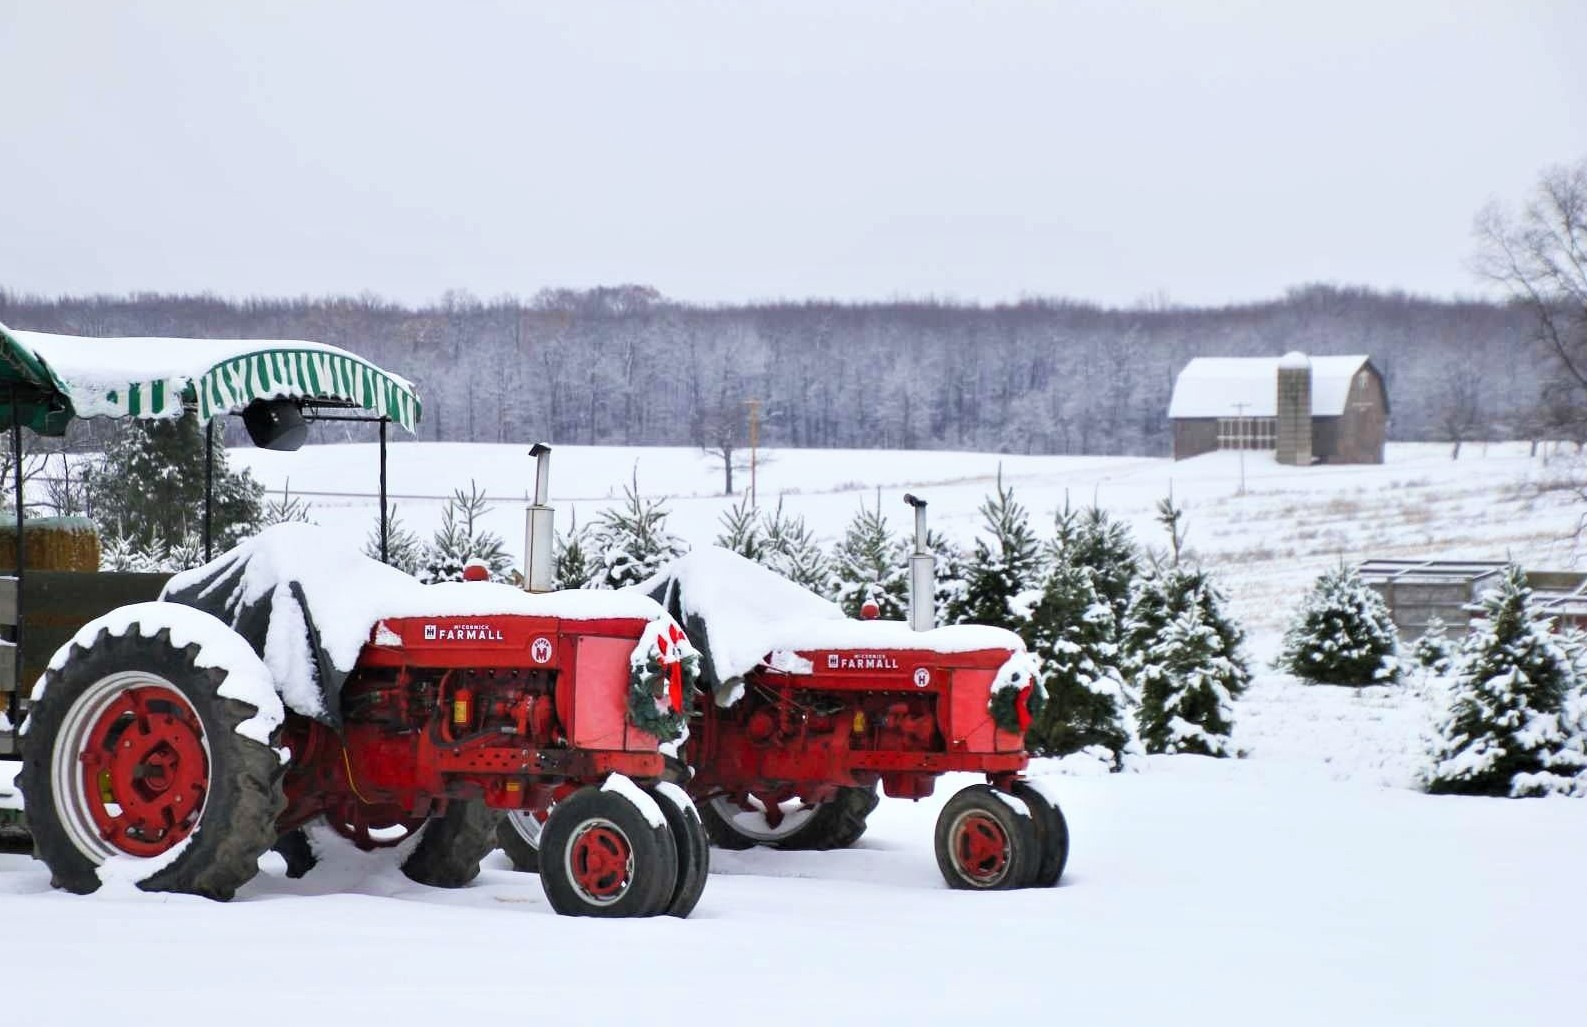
(694,848)
(987,841)
(602,855)
(1052,833)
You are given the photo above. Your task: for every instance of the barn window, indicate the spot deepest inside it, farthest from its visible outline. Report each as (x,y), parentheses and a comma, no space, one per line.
(1247,433)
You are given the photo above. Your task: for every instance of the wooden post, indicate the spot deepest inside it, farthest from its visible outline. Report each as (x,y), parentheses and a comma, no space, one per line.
(754,444)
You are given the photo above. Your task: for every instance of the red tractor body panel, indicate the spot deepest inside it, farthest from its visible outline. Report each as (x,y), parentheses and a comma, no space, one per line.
(853,717)
(512,709)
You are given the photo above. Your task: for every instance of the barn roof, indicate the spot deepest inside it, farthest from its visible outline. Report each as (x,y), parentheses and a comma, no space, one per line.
(1248,386)
(53,378)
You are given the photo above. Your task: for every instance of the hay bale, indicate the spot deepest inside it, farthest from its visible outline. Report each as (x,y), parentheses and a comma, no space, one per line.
(52,544)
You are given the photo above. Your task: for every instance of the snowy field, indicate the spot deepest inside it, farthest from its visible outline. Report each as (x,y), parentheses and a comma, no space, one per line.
(1305,884)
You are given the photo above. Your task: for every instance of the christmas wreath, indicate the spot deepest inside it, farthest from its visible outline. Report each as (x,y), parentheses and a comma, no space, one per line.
(1017,694)
(661,685)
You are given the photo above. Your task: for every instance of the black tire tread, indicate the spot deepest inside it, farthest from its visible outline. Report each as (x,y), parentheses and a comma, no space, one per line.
(451,845)
(213,866)
(1052,833)
(1025,849)
(525,858)
(837,824)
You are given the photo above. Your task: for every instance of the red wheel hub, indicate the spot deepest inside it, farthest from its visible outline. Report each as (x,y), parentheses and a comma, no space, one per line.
(601,862)
(980,848)
(145,772)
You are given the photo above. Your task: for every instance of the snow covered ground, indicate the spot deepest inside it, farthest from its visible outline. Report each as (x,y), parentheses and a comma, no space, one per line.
(1307,883)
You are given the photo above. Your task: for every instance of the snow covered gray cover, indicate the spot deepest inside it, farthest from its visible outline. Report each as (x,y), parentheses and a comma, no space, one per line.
(306,603)
(739,615)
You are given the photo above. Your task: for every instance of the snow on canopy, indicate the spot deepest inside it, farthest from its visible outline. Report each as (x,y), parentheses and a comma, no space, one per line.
(741,615)
(70,376)
(1248,386)
(307,603)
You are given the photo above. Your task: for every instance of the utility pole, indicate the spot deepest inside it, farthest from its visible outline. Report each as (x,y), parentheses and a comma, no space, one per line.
(1239,438)
(754,444)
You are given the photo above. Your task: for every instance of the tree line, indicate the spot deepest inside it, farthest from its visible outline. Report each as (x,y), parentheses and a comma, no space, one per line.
(625,365)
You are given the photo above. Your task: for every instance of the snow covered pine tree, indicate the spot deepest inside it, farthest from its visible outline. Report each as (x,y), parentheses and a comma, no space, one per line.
(1005,568)
(631,543)
(869,563)
(462,538)
(1513,724)
(1087,709)
(1182,654)
(1342,634)
(1434,650)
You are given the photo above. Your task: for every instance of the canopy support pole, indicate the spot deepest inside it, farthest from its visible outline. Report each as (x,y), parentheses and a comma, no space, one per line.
(384,525)
(209,489)
(14,703)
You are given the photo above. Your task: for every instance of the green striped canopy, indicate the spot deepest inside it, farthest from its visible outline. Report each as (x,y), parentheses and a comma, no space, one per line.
(53,378)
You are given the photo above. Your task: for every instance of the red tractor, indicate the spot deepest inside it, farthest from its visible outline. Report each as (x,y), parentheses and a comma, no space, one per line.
(289,682)
(807,713)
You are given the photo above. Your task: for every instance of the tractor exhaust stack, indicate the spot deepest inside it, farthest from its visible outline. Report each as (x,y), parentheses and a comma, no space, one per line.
(539,529)
(922,573)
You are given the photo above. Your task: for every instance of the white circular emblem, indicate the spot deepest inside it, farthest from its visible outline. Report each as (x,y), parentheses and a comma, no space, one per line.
(540,651)
(922,677)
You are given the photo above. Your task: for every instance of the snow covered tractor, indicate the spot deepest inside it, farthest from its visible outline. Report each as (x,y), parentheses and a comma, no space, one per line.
(288,682)
(292,683)
(809,712)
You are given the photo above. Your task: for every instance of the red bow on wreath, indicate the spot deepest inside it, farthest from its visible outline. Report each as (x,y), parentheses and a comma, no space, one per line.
(674,665)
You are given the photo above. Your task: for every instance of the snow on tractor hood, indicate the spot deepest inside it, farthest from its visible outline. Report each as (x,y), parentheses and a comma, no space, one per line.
(741,615)
(307,604)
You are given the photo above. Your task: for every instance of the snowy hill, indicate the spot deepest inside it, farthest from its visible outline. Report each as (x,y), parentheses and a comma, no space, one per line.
(1266,544)
(1305,884)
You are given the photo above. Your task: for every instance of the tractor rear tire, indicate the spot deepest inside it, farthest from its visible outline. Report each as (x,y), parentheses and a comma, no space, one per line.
(983,843)
(835,824)
(518,834)
(451,845)
(1052,834)
(175,776)
(694,848)
(601,856)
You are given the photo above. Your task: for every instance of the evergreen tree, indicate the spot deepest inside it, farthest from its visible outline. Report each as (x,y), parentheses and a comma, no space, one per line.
(571,563)
(1184,659)
(1342,634)
(289,509)
(1512,726)
(793,551)
(869,563)
(952,575)
(1104,545)
(1005,569)
(629,544)
(148,489)
(1186,705)
(462,538)
(1073,635)
(743,532)
(1434,650)
(404,550)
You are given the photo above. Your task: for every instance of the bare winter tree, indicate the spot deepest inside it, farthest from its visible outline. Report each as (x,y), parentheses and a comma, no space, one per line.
(1540,256)
(1460,418)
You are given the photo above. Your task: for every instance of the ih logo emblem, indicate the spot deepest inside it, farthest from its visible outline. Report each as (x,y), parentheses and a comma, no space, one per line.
(832,661)
(540,651)
(922,677)
(429,632)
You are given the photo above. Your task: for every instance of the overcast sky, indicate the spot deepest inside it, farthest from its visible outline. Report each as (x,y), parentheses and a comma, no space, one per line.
(1206,151)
